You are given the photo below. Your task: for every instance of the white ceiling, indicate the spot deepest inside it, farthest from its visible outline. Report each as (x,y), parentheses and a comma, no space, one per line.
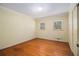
(38,9)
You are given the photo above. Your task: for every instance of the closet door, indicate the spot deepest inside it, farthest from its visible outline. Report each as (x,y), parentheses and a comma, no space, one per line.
(78,30)
(74,30)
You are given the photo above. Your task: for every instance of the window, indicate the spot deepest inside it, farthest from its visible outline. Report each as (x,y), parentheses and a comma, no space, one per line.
(58,24)
(42,26)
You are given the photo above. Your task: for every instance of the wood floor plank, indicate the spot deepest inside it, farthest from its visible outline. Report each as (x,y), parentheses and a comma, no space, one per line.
(38,47)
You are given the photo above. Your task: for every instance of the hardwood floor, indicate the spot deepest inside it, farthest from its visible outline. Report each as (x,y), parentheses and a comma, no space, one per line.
(38,47)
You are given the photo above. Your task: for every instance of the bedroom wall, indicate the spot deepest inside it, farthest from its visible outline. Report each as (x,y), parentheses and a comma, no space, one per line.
(15,28)
(50,32)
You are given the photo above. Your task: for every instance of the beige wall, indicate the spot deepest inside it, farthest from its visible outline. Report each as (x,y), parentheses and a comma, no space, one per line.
(49,32)
(15,28)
